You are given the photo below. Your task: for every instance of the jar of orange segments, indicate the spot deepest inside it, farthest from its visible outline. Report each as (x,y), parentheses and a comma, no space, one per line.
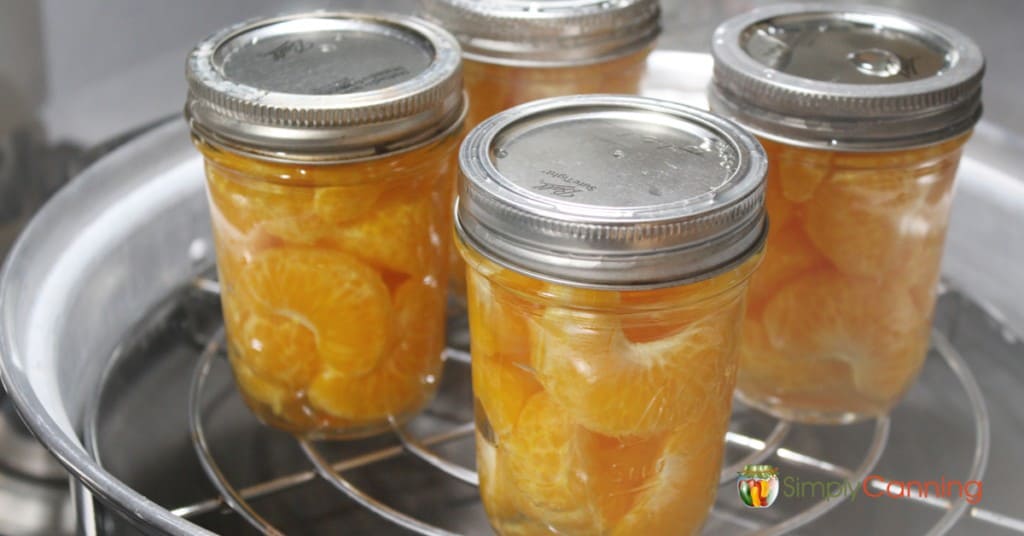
(864,113)
(515,53)
(330,143)
(609,241)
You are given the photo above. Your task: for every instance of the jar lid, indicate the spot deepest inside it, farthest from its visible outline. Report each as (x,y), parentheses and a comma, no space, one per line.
(849,77)
(554,32)
(325,86)
(612,191)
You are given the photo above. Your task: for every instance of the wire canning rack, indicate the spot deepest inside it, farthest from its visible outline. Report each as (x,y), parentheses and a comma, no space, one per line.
(751,449)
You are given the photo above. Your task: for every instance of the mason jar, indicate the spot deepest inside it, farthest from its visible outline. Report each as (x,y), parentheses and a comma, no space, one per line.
(609,241)
(330,142)
(514,55)
(864,113)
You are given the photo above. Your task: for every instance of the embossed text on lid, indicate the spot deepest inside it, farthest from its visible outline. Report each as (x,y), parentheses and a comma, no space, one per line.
(323,56)
(612,191)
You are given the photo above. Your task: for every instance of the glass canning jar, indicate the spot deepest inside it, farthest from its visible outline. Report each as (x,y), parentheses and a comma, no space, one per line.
(514,55)
(330,143)
(609,241)
(863,113)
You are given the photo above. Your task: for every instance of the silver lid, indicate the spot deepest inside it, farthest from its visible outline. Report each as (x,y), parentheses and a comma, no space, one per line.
(547,33)
(612,191)
(325,86)
(850,77)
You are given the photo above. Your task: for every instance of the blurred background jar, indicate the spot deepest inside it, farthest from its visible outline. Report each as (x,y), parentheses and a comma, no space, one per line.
(329,141)
(605,313)
(863,112)
(516,52)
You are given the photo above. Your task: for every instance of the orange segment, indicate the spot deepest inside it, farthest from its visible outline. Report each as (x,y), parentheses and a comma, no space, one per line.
(280,348)
(261,389)
(419,323)
(496,486)
(341,300)
(780,210)
(789,254)
(618,470)
(677,500)
(341,204)
(874,327)
(661,313)
(801,171)
(243,202)
(615,387)
(502,388)
(543,465)
(768,370)
(497,326)
(404,379)
(398,235)
(864,230)
(374,397)
(298,230)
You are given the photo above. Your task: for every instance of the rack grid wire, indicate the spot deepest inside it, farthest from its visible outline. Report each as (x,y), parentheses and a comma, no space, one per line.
(758,450)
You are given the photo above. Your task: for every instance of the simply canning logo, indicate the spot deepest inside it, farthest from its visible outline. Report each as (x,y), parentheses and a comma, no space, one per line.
(760,485)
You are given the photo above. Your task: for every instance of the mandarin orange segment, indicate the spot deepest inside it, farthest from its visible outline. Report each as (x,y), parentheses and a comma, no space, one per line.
(298,230)
(540,455)
(871,326)
(396,236)
(780,210)
(615,387)
(884,377)
(542,461)
(341,204)
(920,275)
(770,370)
(496,486)
(244,202)
(419,322)
(800,172)
(371,398)
(280,348)
(678,498)
(262,390)
(826,310)
(496,327)
(948,150)
(861,237)
(664,312)
(618,470)
(405,377)
(788,255)
(502,389)
(343,302)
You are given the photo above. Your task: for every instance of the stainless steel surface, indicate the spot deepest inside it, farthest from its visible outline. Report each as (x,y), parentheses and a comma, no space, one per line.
(530,33)
(325,86)
(852,78)
(33,486)
(612,191)
(21,453)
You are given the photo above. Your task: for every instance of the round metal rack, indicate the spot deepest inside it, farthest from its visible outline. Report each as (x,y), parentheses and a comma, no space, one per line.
(756,450)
